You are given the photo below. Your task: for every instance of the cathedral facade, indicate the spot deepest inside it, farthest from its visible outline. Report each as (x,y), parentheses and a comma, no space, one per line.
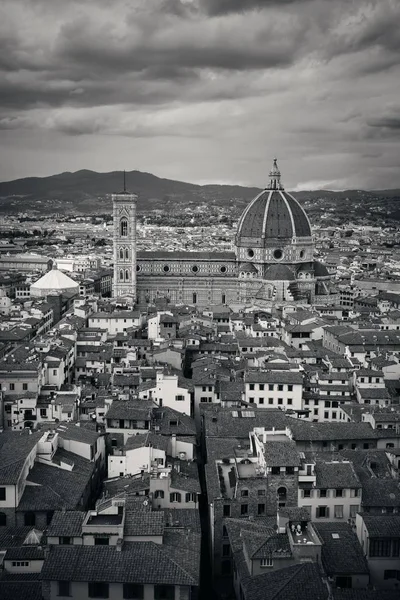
(273,260)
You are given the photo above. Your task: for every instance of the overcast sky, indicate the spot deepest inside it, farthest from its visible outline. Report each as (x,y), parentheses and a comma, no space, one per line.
(203,90)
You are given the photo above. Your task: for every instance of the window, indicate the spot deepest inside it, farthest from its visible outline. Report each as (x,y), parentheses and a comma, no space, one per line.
(30,519)
(338,511)
(2,493)
(251,400)
(322,512)
(226,550)
(101,541)
(354,508)
(354,493)
(175,497)
(261,492)
(164,592)
(133,591)
(64,588)
(267,562)
(126,253)
(270,400)
(121,254)
(97,589)
(261,387)
(244,493)
(290,387)
(270,387)
(280,400)
(227,510)
(25,386)
(224,532)
(391,574)
(64,541)
(3,519)
(251,386)
(226,567)
(289,401)
(12,386)
(20,563)
(179,398)
(306,494)
(123,230)
(191,497)
(261,509)
(323,493)
(194,298)
(280,387)
(339,493)
(261,401)
(289,470)
(379,547)
(121,275)
(244,509)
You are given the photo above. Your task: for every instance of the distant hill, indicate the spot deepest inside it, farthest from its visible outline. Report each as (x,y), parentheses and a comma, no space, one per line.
(85,192)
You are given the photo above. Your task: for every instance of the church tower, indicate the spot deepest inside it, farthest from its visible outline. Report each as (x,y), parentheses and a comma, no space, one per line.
(124,243)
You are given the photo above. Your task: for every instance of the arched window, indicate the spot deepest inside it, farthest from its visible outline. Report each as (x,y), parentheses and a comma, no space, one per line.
(123,227)
(121,275)
(3,519)
(126,275)
(126,253)
(282,493)
(121,253)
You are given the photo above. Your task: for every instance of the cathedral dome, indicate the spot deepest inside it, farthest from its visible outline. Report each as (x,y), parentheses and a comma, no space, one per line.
(272,215)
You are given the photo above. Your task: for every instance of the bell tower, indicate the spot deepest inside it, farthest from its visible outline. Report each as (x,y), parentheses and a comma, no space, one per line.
(124,243)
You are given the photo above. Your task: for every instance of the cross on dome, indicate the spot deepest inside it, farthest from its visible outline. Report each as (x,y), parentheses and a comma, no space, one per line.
(275,177)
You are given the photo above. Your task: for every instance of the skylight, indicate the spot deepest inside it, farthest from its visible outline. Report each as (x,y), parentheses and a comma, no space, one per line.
(335,536)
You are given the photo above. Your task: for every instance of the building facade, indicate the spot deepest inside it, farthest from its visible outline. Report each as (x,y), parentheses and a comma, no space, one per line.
(272,260)
(124,244)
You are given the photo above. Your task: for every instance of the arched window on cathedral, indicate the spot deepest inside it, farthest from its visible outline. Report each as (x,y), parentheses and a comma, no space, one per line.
(121,253)
(126,253)
(121,275)
(126,275)
(123,227)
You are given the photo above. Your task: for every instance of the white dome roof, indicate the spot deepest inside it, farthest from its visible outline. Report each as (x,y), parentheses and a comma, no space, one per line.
(53,281)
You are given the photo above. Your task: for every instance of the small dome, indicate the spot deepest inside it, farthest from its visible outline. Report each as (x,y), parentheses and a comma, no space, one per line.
(247,268)
(53,281)
(279,273)
(320,269)
(273,214)
(306,268)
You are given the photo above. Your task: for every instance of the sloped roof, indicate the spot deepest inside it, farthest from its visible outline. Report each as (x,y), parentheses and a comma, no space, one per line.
(138,562)
(55,280)
(342,554)
(279,273)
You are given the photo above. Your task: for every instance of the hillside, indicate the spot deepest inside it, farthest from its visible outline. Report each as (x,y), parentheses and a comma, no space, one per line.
(88,192)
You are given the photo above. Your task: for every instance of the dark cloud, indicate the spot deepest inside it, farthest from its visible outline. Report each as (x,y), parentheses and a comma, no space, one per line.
(390,121)
(224,7)
(310,80)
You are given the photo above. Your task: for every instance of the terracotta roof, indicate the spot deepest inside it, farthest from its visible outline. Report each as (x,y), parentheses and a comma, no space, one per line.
(382,526)
(66,523)
(343,554)
(279,273)
(137,562)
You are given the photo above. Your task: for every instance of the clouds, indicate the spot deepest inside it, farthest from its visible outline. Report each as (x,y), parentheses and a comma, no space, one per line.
(309,80)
